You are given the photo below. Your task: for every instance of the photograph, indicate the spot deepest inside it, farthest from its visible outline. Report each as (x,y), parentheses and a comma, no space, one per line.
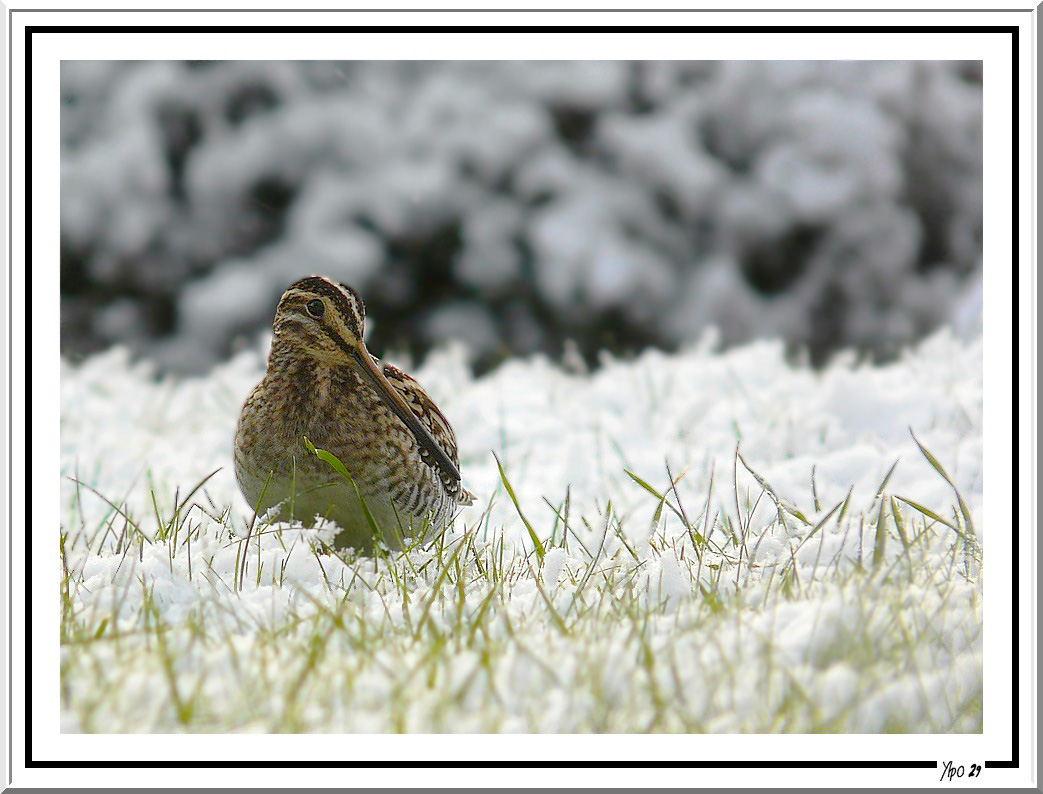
(528,397)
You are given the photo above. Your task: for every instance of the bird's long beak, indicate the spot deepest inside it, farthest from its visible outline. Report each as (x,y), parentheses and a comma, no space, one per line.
(394,401)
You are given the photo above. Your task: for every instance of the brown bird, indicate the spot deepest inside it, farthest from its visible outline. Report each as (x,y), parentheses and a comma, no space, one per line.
(322,384)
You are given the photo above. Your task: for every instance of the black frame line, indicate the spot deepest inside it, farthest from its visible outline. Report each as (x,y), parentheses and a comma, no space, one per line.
(10,408)
(29,31)
(532,10)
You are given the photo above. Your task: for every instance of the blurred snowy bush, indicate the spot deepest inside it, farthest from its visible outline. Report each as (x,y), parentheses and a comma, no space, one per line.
(518,205)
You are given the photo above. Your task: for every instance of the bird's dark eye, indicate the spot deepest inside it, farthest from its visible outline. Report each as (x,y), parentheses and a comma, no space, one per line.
(316,308)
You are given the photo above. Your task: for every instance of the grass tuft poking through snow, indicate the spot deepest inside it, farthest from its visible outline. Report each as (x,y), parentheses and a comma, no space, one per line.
(697,542)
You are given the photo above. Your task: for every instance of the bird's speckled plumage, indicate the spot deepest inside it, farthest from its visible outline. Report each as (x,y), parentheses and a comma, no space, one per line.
(323,384)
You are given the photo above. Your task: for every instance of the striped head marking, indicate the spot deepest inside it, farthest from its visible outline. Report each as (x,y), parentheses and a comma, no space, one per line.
(322,315)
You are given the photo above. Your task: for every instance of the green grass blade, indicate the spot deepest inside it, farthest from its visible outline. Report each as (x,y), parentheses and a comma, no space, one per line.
(644,485)
(929,513)
(540,551)
(334,462)
(887,478)
(780,503)
(660,497)
(899,525)
(945,476)
(880,543)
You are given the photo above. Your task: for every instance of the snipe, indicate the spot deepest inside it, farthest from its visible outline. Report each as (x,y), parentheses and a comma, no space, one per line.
(322,384)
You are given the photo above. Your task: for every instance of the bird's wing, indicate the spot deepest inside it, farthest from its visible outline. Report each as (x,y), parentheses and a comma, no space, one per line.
(424,409)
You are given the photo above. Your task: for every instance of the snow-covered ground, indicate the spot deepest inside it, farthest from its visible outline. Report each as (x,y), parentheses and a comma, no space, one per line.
(817,604)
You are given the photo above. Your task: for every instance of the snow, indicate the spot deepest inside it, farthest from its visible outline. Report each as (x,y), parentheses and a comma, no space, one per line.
(829,634)
(832,204)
